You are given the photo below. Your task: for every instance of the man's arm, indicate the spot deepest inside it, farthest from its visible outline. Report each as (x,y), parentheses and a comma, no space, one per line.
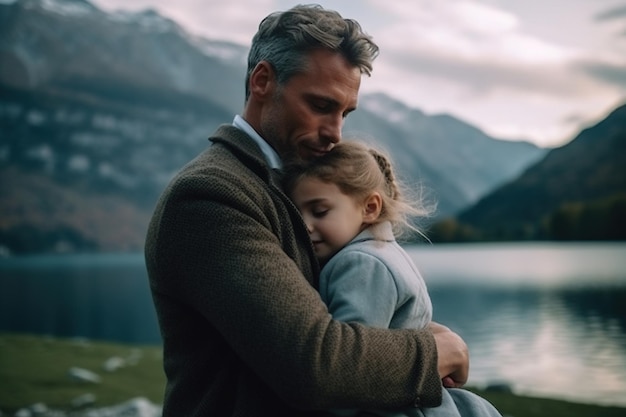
(232,270)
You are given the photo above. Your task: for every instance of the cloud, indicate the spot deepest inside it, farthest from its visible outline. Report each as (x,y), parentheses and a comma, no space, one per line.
(617,14)
(575,118)
(611,14)
(465,29)
(483,76)
(466,15)
(476,47)
(236,21)
(613,74)
(515,68)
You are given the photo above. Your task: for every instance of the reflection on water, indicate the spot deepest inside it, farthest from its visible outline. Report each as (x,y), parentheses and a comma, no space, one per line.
(548,319)
(539,342)
(545,265)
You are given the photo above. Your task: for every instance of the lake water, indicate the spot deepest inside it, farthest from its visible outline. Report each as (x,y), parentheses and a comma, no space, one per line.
(548,319)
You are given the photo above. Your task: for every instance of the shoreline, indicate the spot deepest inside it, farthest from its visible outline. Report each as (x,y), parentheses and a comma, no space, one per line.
(74,376)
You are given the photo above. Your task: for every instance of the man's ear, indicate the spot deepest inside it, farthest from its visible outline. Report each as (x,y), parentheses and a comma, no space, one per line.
(372,207)
(262,80)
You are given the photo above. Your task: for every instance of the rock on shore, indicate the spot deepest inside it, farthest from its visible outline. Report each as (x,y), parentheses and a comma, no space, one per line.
(136,407)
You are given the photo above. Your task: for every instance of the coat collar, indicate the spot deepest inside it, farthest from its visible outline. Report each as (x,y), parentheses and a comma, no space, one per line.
(271,156)
(244,147)
(380,231)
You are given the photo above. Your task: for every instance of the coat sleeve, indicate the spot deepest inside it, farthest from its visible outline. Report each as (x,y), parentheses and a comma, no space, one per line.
(229,266)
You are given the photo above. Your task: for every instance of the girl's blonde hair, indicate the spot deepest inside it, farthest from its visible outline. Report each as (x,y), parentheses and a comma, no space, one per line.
(359,170)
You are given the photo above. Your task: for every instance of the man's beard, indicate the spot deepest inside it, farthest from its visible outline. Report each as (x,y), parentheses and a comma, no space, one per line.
(290,157)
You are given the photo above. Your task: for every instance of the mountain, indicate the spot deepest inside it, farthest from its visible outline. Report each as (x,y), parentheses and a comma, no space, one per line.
(72,45)
(98,111)
(459,162)
(577,191)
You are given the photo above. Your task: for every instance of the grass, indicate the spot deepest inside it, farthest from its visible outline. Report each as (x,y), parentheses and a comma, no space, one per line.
(35,369)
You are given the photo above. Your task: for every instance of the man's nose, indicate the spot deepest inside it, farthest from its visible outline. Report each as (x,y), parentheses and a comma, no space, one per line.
(331,130)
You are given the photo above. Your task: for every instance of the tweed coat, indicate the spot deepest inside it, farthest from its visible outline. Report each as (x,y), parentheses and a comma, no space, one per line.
(245,332)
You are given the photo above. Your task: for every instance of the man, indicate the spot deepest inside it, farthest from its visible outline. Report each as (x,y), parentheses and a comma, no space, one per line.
(232,270)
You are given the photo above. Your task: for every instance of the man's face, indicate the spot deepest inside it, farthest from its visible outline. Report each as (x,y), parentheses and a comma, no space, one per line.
(304,117)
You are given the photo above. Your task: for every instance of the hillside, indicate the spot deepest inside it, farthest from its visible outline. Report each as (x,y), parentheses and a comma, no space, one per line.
(577,192)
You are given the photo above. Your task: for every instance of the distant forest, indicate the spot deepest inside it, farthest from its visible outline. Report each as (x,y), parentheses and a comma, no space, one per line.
(600,220)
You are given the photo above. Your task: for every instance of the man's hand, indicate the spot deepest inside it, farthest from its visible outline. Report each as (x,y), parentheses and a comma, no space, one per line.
(453,356)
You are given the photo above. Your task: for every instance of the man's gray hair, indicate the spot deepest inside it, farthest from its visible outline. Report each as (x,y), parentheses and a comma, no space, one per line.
(285,38)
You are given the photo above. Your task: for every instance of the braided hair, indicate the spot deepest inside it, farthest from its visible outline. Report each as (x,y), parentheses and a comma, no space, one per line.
(390,179)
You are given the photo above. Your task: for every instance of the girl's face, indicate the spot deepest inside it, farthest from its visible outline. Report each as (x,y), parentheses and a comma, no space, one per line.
(332,218)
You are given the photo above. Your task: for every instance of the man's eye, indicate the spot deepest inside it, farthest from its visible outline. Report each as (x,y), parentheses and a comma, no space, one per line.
(321,106)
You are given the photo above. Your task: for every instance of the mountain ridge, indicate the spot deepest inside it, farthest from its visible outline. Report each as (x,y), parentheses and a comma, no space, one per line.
(110,105)
(577,191)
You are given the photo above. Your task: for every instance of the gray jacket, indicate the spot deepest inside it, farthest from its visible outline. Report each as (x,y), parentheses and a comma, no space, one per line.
(373,281)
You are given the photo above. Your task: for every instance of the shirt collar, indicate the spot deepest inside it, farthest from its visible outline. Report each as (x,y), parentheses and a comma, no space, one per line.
(272,158)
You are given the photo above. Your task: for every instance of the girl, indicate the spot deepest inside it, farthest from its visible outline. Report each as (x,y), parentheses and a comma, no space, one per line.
(352,206)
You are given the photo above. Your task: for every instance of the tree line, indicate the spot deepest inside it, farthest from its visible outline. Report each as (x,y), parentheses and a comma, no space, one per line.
(598,220)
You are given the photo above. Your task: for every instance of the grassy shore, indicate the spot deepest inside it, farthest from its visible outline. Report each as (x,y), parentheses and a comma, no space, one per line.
(36,369)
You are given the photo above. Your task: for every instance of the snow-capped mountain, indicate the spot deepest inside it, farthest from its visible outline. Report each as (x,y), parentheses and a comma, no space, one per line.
(98,110)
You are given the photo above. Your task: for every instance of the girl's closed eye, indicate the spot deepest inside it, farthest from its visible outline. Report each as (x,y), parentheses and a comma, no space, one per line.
(320,212)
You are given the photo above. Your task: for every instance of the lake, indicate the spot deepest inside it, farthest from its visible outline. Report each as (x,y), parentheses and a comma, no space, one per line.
(547,319)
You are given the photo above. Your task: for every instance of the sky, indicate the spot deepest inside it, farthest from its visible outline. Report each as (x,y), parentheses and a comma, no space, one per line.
(536,70)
